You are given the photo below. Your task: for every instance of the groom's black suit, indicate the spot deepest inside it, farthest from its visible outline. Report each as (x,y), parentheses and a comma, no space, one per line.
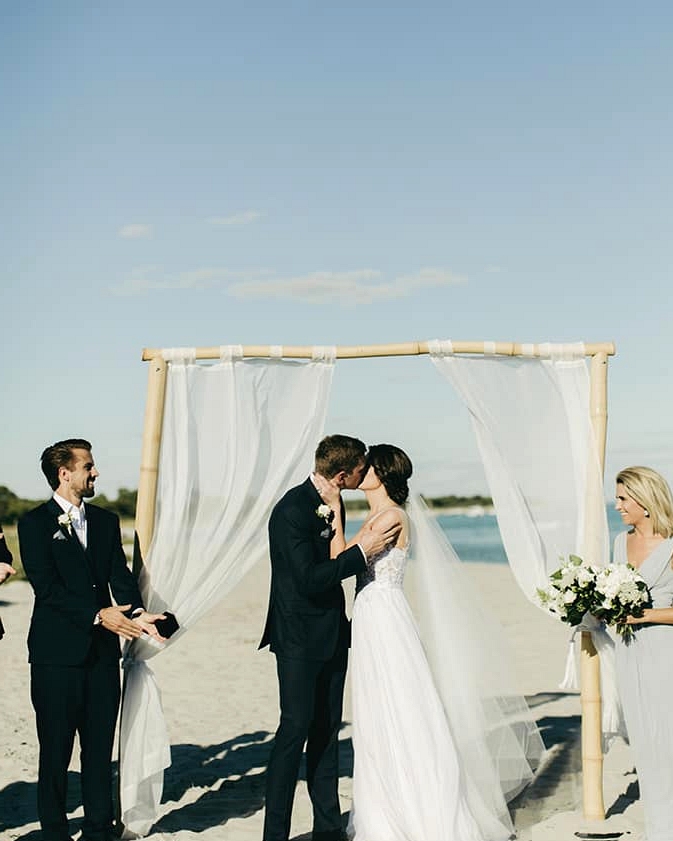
(75,683)
(309,633)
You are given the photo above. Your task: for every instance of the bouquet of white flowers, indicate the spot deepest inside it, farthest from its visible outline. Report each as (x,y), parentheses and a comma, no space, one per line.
(571,592)
(620,592)
(610,593)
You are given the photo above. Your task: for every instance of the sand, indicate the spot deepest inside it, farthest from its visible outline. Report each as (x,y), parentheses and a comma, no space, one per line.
(220,702)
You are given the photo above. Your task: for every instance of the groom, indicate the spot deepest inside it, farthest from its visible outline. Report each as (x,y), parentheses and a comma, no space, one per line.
(309,633)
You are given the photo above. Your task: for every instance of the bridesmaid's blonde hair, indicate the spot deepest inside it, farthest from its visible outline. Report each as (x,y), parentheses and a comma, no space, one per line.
(651,491)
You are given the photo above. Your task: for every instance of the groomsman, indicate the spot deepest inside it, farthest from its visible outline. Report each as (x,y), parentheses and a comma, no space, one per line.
(309,633)
(73,557)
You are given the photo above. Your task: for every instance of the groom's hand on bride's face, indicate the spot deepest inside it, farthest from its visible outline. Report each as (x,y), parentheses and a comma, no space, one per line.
(374,541)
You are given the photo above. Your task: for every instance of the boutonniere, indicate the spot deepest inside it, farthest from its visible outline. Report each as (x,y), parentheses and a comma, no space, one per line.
(325,512)
(65,521)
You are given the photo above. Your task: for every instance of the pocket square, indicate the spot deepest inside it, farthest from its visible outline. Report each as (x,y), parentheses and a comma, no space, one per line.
(58,535)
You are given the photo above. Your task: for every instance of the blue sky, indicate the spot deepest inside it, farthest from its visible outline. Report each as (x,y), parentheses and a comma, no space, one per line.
(264,173)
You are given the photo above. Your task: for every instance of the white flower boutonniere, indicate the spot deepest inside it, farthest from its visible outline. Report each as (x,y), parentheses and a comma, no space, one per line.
(325,512)
(65,521)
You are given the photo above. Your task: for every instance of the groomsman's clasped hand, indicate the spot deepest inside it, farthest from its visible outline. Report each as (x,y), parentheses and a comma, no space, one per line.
(114,619)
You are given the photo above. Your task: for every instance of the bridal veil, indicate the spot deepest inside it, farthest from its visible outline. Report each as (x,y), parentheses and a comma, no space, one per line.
(496,737)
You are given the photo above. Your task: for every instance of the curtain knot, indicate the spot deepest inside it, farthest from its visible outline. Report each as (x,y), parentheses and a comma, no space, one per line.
(185,355)
(128,660)
(326,353)
(440,347)
(567,352)
(230,352)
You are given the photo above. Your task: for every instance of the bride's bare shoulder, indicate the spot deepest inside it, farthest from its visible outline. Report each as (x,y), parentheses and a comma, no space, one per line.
(389,517)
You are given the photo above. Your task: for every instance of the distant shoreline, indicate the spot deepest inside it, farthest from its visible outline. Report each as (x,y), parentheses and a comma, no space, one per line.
(453,511)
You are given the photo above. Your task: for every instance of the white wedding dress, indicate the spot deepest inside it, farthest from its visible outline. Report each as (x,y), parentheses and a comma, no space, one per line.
(409,781)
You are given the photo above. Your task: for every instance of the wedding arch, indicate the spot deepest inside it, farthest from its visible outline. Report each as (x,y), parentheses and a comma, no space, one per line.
(222,441)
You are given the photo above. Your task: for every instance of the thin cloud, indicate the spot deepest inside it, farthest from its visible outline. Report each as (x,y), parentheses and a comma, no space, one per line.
(361,286)
(150,278)
(244,217)
(136,231)
(493,269)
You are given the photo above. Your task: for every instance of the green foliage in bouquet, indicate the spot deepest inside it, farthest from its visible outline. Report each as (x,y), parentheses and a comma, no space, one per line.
(571,592)
(620,592)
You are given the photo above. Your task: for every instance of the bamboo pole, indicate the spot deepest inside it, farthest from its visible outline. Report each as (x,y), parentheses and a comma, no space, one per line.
(149,460)
(590,674)
(146,501)
(400,349)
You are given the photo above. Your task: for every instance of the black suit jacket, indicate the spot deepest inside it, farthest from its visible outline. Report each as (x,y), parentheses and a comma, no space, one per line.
(72,584)
(5,554)
(306,617)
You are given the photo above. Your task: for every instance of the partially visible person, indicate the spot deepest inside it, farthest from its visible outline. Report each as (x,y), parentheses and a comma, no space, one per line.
(309,634)
(645,664)
(73,557)
(6,568)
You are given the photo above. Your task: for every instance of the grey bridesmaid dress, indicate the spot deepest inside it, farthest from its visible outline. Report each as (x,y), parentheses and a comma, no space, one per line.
(645,682)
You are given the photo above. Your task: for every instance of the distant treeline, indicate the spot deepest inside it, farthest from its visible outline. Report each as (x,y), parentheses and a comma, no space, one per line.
(12,506)
(433,502)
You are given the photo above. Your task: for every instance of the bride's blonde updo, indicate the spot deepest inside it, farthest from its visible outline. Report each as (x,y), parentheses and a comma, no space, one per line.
(393,467)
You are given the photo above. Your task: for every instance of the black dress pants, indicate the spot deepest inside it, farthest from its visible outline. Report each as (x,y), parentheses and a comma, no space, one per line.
(68,700)
(311,703)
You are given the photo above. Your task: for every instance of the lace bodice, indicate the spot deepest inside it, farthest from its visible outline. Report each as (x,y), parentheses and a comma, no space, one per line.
(386,569)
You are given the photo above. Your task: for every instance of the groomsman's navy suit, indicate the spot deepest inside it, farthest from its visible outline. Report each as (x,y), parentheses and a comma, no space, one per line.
(309,633)
(75,685)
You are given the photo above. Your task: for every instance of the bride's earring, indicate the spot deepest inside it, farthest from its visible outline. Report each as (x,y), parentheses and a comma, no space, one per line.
(646,512)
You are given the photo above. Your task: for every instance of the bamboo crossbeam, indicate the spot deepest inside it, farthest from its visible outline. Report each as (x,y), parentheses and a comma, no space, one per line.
(399,349)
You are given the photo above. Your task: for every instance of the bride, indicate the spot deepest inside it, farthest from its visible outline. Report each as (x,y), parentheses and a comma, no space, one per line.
(436,756)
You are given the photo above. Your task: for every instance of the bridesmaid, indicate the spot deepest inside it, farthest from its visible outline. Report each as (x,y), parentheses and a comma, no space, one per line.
(645,665)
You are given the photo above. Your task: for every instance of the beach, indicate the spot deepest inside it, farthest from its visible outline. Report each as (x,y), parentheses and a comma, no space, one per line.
(219,696)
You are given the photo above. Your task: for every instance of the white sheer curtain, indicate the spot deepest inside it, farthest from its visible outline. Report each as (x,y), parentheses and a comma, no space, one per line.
(236,435)
(533,428)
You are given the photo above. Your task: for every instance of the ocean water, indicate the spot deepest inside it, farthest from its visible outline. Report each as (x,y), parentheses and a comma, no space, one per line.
(478,538)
